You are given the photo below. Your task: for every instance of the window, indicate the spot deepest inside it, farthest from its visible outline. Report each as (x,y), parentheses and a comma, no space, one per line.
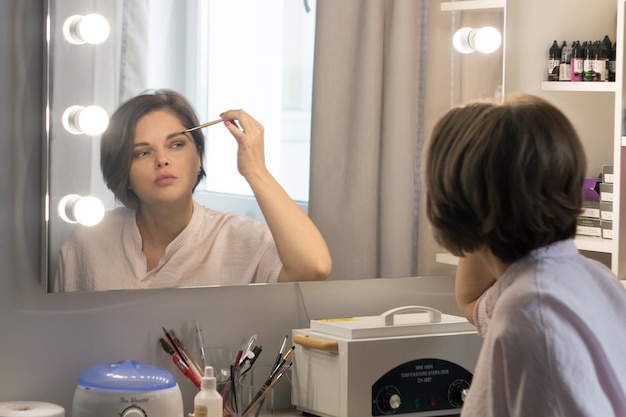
(259,57)
(240,54)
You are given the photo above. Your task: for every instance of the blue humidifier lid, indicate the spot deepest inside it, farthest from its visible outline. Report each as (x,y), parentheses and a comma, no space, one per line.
(127,376)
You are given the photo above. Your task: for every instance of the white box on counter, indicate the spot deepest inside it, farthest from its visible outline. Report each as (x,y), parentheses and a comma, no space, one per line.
(410,361)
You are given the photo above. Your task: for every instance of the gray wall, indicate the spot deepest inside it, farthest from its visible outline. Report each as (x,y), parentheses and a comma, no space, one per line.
(47,339)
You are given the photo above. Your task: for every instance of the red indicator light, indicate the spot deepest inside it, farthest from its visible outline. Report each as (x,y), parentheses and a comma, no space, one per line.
(432,401)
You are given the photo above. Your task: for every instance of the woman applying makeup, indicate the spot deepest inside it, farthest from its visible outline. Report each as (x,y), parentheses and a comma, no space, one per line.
(161,237)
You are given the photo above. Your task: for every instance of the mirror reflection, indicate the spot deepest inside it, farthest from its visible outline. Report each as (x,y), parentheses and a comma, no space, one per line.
(373,111)
(152,159)
(220,56)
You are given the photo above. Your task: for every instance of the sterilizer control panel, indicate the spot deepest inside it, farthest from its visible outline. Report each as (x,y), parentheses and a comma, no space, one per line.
(419,386)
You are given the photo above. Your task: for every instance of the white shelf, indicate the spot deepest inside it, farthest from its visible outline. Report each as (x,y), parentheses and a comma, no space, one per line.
(594,244)
(600,87)
(472,5)
(624,137)
(587,243)
(446,258)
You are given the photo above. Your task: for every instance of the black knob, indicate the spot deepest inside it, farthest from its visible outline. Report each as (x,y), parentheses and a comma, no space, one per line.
(457,392)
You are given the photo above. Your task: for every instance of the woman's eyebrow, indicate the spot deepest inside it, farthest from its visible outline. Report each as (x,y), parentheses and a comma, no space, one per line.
(175,134)
(168,137)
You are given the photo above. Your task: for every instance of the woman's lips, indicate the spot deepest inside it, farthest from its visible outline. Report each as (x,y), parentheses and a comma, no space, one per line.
(165,179)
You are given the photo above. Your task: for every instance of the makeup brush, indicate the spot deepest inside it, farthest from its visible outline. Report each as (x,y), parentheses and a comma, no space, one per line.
(191,129)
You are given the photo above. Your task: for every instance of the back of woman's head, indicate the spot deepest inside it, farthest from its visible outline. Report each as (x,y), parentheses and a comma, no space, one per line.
(116,147)
(506,177)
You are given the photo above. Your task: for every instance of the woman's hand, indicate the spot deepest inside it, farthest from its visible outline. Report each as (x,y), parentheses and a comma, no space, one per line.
(249,135)
(473,277)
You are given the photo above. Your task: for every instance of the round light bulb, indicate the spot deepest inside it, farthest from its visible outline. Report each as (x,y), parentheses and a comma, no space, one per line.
(460,40)
(93,29)
(87,211)
(65,208)
(487,40)
(91,120)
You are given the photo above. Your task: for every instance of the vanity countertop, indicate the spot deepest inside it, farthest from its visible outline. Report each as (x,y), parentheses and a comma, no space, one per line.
(292,412)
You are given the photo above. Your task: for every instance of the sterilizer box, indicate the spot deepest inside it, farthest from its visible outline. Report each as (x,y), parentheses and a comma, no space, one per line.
(409,361)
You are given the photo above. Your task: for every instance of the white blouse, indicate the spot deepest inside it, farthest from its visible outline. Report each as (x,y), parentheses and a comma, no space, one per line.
(555,335)
(213,249)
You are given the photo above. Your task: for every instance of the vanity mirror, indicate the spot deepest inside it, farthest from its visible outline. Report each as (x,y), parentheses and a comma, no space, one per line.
(370,222)
(219,54)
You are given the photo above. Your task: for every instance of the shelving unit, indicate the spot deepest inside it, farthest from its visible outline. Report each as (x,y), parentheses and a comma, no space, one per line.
(560,90)
(598,87)
(472,5)
(594,244)
(587,243)
(597,109)
(447,258)
(619,254)
(614,247)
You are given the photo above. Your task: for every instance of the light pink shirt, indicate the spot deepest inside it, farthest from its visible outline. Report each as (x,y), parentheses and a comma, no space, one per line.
(215,248)
(555,340)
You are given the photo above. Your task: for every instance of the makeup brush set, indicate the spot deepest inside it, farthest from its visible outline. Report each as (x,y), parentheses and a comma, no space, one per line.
(232,377)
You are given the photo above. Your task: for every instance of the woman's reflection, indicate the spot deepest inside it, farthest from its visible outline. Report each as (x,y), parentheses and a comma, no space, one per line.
(161,237)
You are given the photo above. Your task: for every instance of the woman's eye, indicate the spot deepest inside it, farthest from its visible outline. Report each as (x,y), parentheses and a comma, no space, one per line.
(178,144)
(141,154)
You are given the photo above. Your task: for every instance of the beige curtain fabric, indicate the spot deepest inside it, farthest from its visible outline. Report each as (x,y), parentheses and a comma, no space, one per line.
(366,135)
(133,55)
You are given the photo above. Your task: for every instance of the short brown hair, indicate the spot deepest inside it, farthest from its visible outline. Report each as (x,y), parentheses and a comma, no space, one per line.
(116,146)
(508,177)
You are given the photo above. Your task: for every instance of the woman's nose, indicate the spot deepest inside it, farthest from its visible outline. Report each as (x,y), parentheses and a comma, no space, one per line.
(162,160)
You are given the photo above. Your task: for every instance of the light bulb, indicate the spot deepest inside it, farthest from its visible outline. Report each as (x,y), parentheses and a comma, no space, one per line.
(487,39)
(460,40)
(91,120)
(93,29)
(87,211)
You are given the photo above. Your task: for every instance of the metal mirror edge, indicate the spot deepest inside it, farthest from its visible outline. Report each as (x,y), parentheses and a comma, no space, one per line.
(45,152)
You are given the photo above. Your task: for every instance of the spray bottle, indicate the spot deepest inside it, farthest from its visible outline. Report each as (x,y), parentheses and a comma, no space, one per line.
(208,402)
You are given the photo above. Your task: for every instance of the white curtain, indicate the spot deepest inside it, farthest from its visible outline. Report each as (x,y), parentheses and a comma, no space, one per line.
(367,134)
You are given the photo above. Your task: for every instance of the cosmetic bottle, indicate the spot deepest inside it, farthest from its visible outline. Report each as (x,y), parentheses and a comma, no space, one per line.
(588,61)
(611,47)
(577,62)
(601,61)
(554,60)
(565,70)
(612,63)
(208,402)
